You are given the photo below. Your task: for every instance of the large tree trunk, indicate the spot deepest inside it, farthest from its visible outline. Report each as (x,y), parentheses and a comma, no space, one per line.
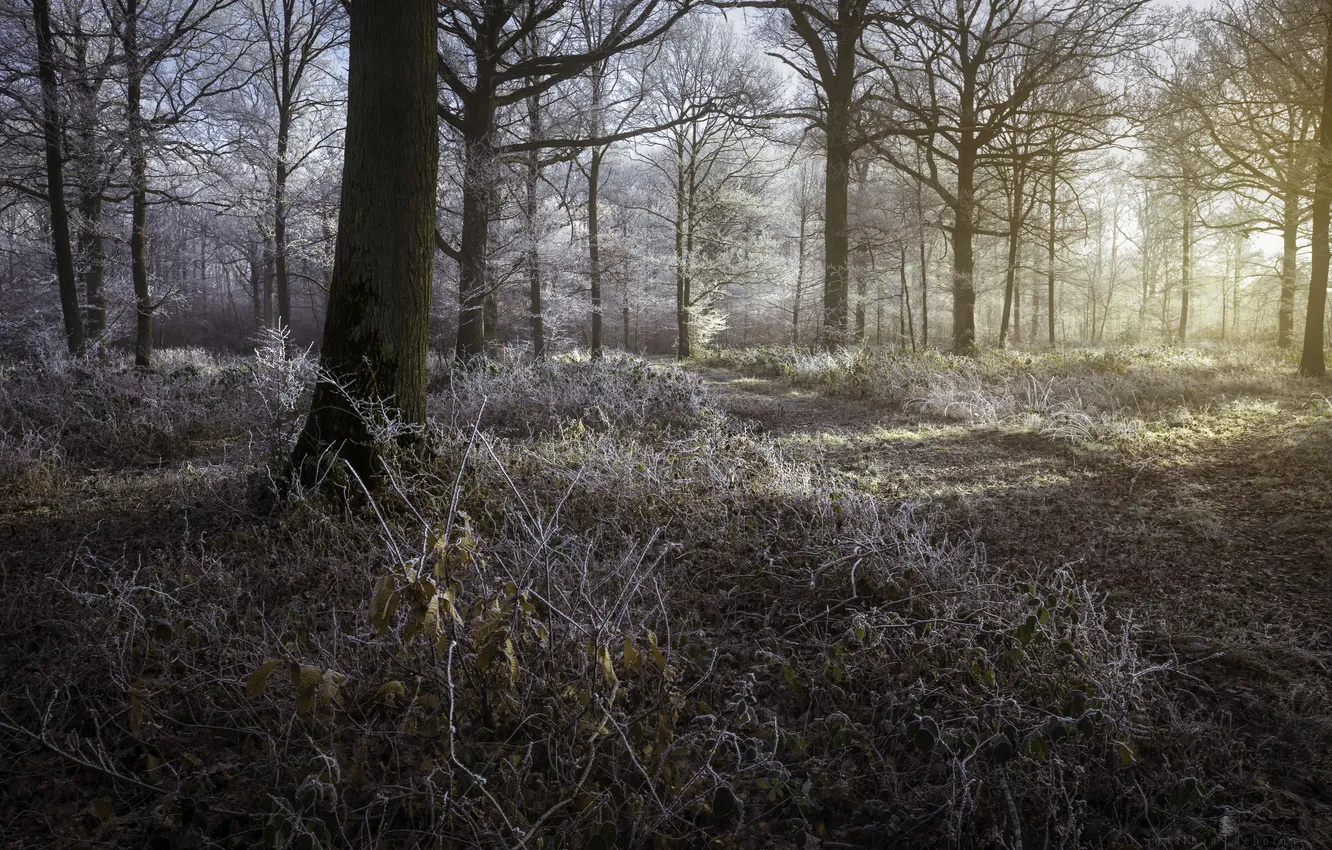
(836,246)
(55,179)
(1311,360)
(376,328)
(836,239)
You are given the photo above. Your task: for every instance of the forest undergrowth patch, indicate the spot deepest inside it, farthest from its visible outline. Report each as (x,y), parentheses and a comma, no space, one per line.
(1133,399)
(601,614)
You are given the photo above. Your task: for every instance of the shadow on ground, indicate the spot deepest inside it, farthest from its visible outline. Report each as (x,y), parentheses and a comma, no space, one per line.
(1215,545)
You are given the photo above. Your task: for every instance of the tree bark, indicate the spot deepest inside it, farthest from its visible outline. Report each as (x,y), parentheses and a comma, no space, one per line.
(964,292)
(1311,361)
(1050,249)
(1290,236)
(55,179)
(906,299)
(138,155)
(836,244)
(1014,246)
(92,256)
(280,220)
(1186,265)
(480,164)
(530,201)
(377,323)
(594,250)
(682,287)
(924,297)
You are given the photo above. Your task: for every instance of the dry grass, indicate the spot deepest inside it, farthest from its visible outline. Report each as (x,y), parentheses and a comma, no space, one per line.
(602,614)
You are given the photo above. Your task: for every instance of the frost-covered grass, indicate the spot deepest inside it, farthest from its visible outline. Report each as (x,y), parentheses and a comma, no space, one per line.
(601,614)
(1111,395)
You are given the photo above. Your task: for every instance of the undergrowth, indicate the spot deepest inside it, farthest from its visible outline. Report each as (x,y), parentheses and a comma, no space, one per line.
(602,616)
(1080,396)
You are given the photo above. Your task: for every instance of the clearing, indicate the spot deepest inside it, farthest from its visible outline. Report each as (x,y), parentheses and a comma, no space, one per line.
(1212,534)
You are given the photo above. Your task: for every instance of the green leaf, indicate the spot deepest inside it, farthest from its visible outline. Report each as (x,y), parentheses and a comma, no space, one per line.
(258,680)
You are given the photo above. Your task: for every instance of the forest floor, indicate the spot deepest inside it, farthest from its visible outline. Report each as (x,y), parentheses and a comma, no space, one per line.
(1214,536)
(772,600)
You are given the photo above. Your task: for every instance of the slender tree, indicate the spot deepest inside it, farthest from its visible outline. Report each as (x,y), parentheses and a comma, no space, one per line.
(55,178)
(958,72)
(486,64)
(296,35)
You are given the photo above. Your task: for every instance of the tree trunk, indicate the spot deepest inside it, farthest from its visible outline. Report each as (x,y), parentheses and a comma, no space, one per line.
(1311,360)
(1145,261)
(257,286)
(480,167)
(533,176)
(924,297)
(800,274)
(92,256)
(268,282)
(594,250)
(1290,239)
(55,179)
(1050,249)
(836,243)
(280,221)
(964,293)
(1017,305)
(682,293)
(906,299)
(377,323)
(862,295)
(1186,266)
(138,155)
(1014,246)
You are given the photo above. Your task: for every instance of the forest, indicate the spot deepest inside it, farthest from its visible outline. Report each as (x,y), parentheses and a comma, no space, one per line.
(590,424)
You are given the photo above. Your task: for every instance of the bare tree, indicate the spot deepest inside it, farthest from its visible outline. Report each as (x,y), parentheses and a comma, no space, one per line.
(296,36)
(176,48)
(55,177)
(822,41)
(958,72)
(1256,98)
(487,63)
